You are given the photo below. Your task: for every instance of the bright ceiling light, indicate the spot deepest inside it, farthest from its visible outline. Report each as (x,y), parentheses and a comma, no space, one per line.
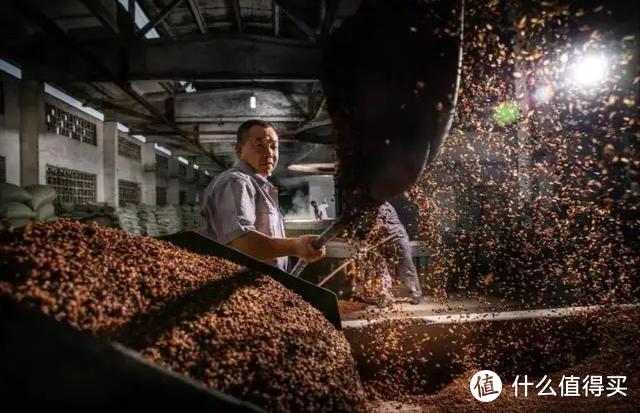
(253,101)
(162,149)
(313,168)
(589,70)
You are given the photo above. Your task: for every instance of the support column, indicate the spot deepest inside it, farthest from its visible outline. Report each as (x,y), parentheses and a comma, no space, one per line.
(149,183)
(110,159)
(10,133)
(173,183)
(191,184)
(32,125)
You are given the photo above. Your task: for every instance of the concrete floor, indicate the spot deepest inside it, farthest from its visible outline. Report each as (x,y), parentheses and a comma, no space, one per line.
(457,309)
(431,307)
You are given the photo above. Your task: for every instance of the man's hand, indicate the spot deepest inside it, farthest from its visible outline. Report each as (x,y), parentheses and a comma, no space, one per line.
(306,251)
(263,247)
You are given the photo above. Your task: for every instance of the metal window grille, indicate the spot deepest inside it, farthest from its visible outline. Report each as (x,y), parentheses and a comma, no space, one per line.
(161,196)
(129,149)
(162,162)
(128,192)
(3,169)
(66,124)
(182,170)
(72,186)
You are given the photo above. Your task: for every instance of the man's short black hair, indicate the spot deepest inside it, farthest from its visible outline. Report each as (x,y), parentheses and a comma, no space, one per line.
(243,130)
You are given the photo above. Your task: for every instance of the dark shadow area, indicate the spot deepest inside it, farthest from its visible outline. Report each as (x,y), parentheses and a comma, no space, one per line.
(322,299)
(144,329)
(47,365)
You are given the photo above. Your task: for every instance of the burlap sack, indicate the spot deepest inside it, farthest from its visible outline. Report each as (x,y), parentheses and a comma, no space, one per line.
(45,212)
(13,193)
(40,195)
(16,210)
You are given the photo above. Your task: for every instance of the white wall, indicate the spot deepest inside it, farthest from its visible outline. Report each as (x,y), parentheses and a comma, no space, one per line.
(322,187)
(129,169)
(10,128)
(65,152)
(62,151)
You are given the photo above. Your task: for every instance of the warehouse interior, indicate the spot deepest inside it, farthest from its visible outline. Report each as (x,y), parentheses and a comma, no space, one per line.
(523,220)
(185,129)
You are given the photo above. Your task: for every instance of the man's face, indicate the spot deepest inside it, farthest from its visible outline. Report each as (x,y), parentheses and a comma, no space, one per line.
(260,150)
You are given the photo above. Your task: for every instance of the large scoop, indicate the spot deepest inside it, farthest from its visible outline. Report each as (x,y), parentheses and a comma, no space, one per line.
(391,74)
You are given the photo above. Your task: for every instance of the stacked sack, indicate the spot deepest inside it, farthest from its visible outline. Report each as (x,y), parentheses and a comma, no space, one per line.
(42,199)
(190,217)
(128,219)
(148,220)
(99,212)
(15,206)
(168,220)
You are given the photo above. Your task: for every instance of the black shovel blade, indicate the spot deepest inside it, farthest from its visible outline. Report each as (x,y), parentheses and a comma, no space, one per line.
(391,75)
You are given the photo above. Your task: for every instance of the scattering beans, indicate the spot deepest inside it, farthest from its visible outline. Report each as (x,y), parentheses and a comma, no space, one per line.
(417,366)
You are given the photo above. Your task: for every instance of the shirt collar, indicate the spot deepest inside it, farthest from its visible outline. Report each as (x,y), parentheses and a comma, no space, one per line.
(246,168)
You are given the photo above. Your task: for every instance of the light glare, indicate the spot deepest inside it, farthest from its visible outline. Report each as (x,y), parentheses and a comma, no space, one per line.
(590,70)
(543,94)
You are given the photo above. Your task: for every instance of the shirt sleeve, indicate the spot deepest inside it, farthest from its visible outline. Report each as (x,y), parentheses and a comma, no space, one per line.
(234,210)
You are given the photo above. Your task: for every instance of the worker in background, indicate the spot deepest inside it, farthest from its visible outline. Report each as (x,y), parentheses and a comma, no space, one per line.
(399,260)
(316,211)
(322,209)
(240,207)
(371,278)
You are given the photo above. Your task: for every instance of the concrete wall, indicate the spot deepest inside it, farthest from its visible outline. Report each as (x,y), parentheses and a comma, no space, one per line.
(32,125)
(173,183)
(173,191)
(189,186)
(65,152)
(62,151)
(162,182)
(10,128)
(322,187)
(101,159)
(149,182)
(129,169)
